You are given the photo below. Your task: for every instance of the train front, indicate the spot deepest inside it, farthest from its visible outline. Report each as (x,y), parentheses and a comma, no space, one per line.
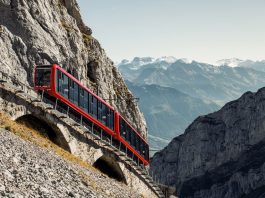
(43,77)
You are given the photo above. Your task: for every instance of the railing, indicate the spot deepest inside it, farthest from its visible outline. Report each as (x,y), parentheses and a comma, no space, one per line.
(90,126)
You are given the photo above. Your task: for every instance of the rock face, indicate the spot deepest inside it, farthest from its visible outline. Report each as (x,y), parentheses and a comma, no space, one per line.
(220,155)
(26,170)
(52,31)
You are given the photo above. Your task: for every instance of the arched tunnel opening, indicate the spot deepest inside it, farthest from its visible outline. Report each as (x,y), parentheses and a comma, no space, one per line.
(110,167)
(47,130)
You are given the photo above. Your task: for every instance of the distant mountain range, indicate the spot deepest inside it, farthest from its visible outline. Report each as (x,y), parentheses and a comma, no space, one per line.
(173,92)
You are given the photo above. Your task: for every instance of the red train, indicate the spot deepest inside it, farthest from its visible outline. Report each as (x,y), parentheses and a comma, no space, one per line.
(93,112)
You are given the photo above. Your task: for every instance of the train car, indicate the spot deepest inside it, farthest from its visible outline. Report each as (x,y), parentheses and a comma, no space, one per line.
(82,105)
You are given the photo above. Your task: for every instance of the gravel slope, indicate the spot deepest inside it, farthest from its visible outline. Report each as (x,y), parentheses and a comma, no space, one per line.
(27,170)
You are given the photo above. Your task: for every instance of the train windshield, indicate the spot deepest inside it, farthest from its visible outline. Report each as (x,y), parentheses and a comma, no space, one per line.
(43,75)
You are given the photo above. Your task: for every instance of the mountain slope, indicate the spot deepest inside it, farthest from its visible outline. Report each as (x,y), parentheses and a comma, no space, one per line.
(220,154)
(33,166)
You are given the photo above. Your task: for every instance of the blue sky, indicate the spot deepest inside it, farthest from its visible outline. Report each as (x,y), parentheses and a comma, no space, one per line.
(204,30)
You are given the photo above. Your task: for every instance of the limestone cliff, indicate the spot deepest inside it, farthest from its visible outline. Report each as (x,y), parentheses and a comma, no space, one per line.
(52,31)
(220,155)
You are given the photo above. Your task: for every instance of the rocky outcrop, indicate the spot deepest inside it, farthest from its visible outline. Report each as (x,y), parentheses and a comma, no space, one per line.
(220,155)
(52,31)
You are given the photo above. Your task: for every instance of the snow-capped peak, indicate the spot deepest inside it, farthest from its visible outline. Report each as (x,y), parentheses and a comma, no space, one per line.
(137,62)
(168,59)
(186,60)
(140,61)
(163,62)
(232,62)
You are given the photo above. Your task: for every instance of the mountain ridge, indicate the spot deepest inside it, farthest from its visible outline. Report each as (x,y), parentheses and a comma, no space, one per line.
(231,62)
(205,81)
(208,83)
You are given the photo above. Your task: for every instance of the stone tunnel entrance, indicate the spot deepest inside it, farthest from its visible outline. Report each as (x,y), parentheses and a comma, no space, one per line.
(110,167)
(48,130)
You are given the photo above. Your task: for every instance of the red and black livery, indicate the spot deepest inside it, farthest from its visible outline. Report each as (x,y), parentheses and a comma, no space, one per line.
(84,106)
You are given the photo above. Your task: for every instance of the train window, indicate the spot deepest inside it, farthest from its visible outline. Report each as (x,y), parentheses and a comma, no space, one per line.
(81,97)
(132,138)
(65,89)
(122,128)
(86,101)
(90,103)
(59,81)
(143,151)
(135,141)
(137,145)
(99,111)
(94,106)
(76,94)
(71,90)
(128,133)
(110,119)
(141,146)
(146,152)
(104,114)
(62,84)
(43,76)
